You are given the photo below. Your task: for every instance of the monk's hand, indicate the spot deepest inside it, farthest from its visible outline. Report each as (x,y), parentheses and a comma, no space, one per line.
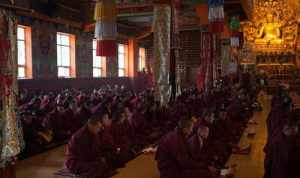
(213,170)
(118,150)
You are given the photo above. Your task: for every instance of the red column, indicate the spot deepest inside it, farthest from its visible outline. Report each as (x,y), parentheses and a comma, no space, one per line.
(8,172)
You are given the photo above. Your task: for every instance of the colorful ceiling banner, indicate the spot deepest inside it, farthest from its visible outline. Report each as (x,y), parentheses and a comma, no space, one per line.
(201,7)
(216,16)
(235,24)
(106,28)
(236,36)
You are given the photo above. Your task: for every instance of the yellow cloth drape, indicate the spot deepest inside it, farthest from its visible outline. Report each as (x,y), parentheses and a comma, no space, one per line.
(105,10)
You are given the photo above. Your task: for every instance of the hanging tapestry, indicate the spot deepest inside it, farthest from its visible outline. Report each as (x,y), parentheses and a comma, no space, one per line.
(205,74)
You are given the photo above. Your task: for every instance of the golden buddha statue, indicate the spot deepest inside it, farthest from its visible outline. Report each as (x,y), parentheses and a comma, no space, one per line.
(270,32)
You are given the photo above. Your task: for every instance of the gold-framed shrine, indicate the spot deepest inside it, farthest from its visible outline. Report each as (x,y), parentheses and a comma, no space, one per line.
(272,36)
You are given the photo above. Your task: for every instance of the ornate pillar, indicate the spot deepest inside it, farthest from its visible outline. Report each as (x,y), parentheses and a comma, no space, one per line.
(162,41)
(11,141)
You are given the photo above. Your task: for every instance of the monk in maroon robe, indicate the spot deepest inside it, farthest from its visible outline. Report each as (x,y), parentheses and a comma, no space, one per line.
(122,139)
(108,147)
(281,154)
(175,158)
(84,155)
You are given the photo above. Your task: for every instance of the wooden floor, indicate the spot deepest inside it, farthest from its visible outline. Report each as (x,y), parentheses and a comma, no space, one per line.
(249,166)
(252,165)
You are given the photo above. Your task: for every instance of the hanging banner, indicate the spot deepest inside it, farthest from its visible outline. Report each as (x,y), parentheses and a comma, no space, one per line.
(203,82)
(216,16)
(201,7)
(232,68)
(106,28)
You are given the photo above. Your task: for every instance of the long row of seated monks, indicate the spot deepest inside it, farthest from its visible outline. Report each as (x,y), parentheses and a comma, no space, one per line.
(282,150)
(54,117)
(200,131)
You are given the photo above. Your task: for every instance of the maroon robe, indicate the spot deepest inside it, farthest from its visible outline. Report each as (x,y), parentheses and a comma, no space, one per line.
(282,158)
(176,160)
(122,140)
(109,148)
(84,156)
(294,159)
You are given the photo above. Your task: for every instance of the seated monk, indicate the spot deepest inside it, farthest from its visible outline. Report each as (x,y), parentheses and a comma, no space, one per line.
(108,147)
(175,158)
(197,142)
(84,155)
(34,142)
(121,137)
(283,155)
(137,138)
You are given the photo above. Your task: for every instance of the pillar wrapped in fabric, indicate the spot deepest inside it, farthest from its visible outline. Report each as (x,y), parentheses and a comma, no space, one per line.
(174,76)
(11,140)
(216,16)
(162,41)
(106,28)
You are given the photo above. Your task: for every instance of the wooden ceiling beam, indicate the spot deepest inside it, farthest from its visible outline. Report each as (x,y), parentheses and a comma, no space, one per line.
(46,18)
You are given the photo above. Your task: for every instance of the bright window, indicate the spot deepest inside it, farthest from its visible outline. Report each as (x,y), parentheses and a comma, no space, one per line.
(142,59)
(98,63)
(24,52)
(65,54)
(122,58)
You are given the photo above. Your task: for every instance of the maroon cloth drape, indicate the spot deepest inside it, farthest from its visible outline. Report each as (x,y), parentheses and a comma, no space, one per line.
(106,48)
(216,27)
(8,172)
(205,75)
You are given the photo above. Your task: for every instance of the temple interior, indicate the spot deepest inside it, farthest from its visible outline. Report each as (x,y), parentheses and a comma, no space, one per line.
(149,88)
